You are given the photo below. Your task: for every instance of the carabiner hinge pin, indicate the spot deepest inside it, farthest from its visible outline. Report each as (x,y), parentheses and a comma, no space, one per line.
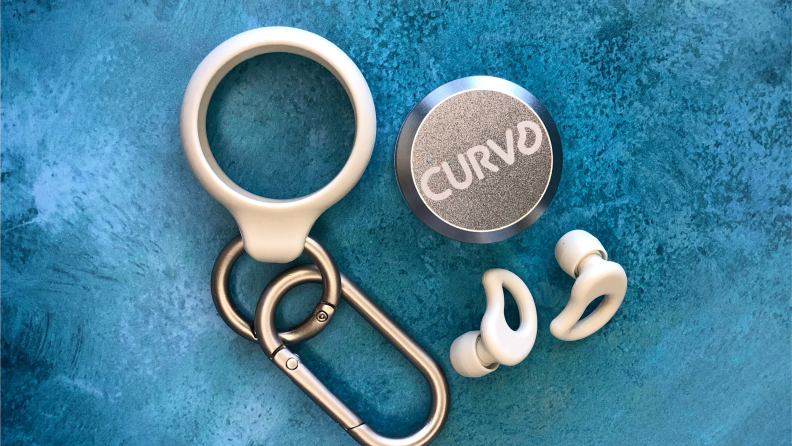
(286,360)
(323,312)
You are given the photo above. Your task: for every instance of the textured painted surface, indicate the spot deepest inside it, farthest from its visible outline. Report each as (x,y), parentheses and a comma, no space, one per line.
(675,120)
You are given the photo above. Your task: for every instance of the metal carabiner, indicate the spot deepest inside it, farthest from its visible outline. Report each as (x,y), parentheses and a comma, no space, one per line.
(291,365)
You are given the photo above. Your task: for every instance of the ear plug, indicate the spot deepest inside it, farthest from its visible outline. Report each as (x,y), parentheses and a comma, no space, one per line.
(584,258)
(479,352)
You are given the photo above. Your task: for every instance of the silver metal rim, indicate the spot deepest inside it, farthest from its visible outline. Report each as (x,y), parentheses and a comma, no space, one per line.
(403,152)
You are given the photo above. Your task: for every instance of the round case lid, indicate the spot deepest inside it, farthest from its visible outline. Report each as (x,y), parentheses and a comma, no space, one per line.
(478,159)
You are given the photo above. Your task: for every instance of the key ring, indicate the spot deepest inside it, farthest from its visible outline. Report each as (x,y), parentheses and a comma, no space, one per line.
(310,326)
(277,231)
(274,230)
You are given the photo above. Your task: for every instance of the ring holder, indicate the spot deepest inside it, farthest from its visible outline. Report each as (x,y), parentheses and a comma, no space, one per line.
(274,230)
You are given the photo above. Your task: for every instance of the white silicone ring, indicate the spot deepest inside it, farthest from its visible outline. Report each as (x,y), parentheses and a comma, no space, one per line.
(464,358)
(274,230)
(584,258)
(507,346)
(599,277)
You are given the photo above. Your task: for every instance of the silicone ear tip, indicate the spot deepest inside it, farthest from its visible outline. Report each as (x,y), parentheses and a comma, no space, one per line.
(464,358)
(573,247)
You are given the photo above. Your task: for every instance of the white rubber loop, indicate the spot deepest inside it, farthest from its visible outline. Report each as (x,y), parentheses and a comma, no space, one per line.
(477,353)
(582,256)
(507,346)
(274,230)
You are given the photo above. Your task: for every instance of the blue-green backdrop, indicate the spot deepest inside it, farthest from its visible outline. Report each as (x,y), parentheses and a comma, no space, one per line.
(675,123)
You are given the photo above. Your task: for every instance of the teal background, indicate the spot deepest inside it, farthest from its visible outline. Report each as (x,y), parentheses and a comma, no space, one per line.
(675,123)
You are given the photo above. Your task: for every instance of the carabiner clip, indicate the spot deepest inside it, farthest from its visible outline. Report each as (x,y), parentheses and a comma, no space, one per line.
(291,365)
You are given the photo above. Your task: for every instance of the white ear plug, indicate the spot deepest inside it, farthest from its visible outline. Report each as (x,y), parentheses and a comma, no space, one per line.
(477,353)
(582,256)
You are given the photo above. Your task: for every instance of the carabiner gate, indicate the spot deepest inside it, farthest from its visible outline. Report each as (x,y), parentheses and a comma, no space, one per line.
(291,365)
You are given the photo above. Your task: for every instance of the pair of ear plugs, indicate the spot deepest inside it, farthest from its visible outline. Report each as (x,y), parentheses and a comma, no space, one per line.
(479,352)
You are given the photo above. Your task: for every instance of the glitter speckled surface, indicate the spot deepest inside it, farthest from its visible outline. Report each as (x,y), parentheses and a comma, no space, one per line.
(675,121)
(498,198)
